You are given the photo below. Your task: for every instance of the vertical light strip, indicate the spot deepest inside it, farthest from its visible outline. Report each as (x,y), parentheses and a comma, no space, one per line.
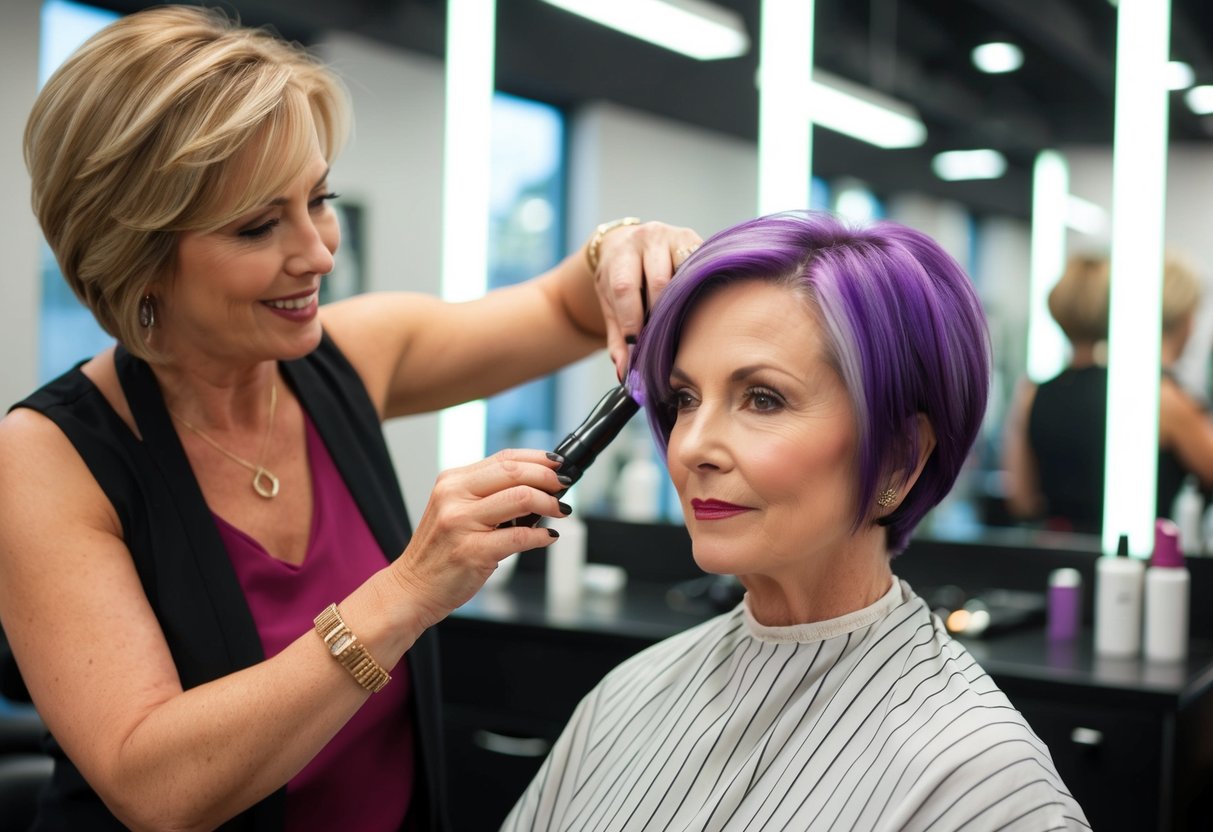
(470,42)
(785,68)
(1050,189)
(1139,169)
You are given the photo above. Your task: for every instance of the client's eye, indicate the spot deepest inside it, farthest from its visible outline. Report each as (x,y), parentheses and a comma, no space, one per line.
(764,400)
(680,400)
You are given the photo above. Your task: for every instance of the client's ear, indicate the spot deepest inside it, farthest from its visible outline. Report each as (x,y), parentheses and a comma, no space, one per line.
(926,445)
(901,482)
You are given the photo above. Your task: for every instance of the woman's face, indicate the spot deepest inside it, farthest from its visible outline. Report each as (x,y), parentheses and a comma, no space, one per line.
(249,290)
(762,451)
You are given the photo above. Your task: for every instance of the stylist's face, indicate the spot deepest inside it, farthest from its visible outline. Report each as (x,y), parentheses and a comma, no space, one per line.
(762,447)
(249,290)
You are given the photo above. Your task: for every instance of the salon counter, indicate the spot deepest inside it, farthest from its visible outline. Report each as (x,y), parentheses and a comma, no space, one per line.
(1133,741)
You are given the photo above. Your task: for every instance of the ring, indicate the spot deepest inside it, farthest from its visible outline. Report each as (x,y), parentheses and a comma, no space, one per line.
(683,253)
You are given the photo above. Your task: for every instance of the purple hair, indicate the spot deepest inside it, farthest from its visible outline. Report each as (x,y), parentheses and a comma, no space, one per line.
(903,328)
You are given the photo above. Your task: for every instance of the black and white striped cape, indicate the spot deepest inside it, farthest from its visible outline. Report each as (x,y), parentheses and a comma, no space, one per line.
(877,720)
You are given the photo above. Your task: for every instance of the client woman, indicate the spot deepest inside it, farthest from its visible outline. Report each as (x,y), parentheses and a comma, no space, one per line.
(816,389)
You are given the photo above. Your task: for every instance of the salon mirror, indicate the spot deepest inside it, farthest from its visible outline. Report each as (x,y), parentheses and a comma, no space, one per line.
(642,100)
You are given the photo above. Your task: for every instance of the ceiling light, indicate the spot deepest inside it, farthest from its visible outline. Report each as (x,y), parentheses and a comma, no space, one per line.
(696,28)
(1200,99)
(955,165)
(1180,75)
(997,57)
(863,113)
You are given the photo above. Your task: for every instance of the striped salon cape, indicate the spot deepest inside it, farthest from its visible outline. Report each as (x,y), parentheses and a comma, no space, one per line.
(877,720)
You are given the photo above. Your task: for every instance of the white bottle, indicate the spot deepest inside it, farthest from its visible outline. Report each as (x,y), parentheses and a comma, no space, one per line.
(638,489)
(1118,591)
(1167,586)
(565,572)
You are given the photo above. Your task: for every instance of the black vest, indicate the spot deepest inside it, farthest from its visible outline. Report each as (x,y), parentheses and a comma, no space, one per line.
(185,569)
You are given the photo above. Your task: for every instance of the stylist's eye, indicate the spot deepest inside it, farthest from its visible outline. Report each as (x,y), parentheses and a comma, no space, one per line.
(258,231)
(318,201)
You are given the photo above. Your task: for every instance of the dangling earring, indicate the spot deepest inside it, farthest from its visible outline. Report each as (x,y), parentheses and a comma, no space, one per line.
(147,312)
(886,498)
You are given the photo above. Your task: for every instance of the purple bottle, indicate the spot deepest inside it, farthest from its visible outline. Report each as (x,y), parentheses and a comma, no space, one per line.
(1064,604)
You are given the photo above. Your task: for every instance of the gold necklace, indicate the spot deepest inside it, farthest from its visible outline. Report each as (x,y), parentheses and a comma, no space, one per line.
(264,481)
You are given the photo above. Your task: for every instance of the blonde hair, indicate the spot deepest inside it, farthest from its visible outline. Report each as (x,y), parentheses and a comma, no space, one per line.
(1180,293)
(138,135)
(1079,300)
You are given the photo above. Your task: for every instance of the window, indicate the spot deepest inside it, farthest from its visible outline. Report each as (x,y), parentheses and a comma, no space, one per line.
(526,221)
(67,330)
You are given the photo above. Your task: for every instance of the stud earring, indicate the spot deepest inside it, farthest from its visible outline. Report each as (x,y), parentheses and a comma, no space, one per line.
(147,312)
(886,498)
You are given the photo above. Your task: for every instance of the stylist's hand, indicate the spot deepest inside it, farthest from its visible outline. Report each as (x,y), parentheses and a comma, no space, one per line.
(635,262)
(457,543)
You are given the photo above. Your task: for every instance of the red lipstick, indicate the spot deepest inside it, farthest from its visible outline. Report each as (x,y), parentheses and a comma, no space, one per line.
(716,509)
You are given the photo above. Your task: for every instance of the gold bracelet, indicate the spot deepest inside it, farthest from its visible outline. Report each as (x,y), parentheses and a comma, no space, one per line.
(593,247)
(349,652)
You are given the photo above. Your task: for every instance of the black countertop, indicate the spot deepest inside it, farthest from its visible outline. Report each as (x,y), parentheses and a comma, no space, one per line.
(640,612)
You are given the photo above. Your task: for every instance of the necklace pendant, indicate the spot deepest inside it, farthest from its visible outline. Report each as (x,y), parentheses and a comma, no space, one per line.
(265,483)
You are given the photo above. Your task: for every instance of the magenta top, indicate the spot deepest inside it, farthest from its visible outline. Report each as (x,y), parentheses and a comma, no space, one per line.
(363,778)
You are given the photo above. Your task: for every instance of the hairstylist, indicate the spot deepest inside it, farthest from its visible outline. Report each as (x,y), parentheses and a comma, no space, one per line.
(206,571)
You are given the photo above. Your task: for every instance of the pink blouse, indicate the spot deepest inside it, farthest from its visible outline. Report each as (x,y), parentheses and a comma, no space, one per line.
(363,778)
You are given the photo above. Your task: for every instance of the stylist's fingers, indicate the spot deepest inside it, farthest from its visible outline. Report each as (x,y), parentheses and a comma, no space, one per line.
(636,263)
(459,539)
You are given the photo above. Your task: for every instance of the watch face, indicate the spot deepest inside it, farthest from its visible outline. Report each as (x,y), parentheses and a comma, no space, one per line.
(341,643)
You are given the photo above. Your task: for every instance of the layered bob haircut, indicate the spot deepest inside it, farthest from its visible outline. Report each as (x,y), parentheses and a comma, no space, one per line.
(903,328)
(171,119)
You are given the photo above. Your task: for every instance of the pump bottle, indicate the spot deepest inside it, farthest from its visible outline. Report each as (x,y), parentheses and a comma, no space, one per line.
(1167,587)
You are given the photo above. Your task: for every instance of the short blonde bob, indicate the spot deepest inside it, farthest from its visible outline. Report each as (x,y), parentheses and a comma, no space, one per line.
(1180,293)
(1079,300)
(171,119)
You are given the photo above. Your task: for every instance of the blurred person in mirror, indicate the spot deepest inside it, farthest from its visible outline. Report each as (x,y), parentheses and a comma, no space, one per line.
(815,388)
(208,579)
(1055,435)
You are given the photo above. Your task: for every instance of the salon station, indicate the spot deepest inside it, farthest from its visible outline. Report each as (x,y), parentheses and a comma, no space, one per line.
(492,137)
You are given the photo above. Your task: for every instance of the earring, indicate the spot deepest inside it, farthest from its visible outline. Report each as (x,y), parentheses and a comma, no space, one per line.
(886,498)
(147,312)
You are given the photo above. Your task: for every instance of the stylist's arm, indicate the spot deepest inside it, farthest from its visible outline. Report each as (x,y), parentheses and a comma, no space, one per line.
(207,575)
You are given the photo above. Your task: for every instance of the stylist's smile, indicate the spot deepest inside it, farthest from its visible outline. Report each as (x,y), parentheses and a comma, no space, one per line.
(302,307)
(716,509)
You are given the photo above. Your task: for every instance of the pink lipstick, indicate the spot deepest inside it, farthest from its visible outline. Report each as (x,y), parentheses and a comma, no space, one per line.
(716,509)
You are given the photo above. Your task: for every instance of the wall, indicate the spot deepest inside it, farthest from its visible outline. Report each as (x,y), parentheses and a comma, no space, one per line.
(393,168)
(19,234)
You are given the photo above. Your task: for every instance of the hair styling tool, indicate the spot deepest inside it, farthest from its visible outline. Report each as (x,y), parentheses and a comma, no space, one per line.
(581,447)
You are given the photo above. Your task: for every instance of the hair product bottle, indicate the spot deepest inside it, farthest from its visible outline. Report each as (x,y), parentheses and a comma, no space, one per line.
(1064,604)
(1167,587)
(1118,589)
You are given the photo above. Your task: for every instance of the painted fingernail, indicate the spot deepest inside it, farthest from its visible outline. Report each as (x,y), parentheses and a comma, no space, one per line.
(629,339)
(555,457)
(564,479)
(565,508)
(553,533)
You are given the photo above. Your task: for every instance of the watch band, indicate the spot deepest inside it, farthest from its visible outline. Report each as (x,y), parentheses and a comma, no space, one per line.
(349,651)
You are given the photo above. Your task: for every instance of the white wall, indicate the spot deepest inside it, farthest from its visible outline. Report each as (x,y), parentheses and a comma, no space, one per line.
(19,233)
(393,168)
